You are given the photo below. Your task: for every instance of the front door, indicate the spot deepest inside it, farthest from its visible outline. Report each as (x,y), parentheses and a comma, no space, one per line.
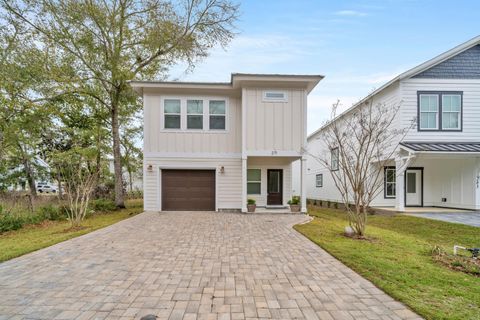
(413,188)
(274,186)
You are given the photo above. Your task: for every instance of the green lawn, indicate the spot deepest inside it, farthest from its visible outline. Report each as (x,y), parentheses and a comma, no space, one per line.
(34,237)
(398,260)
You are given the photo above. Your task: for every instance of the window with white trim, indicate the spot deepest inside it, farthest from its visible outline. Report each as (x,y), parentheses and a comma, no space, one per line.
(217,114)
(440,111)
(390,178)
(275,96)
(334,159)
(254,181)
(319,180)
(195,114)
(172,113)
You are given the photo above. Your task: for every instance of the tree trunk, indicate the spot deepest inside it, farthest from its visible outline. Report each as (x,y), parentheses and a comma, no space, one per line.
(59,183)
(130,178)
(28,173)
(117,161)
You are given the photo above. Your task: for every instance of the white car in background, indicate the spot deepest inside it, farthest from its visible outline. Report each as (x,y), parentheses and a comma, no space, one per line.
(46,188)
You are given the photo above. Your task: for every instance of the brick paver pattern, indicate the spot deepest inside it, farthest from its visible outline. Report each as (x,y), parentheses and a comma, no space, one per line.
(190,265)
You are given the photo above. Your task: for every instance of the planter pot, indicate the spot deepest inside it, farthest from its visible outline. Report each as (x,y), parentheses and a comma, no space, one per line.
(295,207)
(251,207)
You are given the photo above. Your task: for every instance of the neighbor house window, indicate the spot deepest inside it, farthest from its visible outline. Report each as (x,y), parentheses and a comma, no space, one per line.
(195,114)
(334,156)
(451,111)
(172,113)
(440,111)
(275,96)
(319,180)
(217,111)
(390,182)
(254,181)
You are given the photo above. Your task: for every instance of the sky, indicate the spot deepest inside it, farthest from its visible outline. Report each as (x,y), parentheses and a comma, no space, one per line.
(356,45)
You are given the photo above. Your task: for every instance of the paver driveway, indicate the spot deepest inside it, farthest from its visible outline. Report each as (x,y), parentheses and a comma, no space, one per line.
(190,265)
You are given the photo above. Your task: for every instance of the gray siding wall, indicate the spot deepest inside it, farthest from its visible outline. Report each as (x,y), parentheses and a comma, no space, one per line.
(465,65)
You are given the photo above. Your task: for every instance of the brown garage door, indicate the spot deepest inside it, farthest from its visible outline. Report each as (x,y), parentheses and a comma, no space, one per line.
(189,190)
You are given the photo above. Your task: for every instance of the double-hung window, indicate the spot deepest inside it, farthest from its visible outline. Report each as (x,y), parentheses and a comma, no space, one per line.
(440,111)
(254,181)
(390,182)
(451,111)
(195,114)
(334,159)
(172,113)
(217,111)
(319,180)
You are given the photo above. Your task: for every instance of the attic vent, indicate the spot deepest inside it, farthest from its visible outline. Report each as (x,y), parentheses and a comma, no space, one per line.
(275,96)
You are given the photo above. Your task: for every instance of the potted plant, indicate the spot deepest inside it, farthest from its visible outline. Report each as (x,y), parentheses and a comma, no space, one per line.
(251,205)
(294,204)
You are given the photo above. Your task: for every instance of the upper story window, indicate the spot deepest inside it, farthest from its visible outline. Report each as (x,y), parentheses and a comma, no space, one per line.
(195,114)
(275,96)
(440,111)
(201,114)
(172,113)
(319,180)
(334,159)
(217,114)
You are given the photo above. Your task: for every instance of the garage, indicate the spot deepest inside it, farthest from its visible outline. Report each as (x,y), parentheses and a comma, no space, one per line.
(188,190)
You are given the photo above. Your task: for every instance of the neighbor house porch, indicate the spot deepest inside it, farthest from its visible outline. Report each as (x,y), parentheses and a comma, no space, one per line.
(443,175)
(268,180)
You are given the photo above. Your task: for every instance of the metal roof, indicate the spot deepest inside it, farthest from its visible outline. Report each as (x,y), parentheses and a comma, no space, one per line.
(442,146)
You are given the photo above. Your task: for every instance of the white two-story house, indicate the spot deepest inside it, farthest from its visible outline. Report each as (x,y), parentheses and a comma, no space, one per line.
(437,162)
(212,146)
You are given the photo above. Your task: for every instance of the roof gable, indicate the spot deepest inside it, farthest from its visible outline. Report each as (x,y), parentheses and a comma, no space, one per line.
(464,65)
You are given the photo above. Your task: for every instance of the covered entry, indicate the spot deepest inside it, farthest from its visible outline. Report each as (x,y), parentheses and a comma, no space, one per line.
(188,190)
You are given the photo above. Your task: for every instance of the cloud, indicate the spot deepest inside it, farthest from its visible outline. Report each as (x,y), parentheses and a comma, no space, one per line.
(350,13)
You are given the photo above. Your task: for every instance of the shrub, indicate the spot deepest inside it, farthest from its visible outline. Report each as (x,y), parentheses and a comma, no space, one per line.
(103,205)
(11,222)
(51,212)
(335,205)
(251,201)
(295,200)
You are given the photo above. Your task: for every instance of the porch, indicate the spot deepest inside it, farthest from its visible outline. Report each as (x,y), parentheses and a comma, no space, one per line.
(268,181)
(433,176)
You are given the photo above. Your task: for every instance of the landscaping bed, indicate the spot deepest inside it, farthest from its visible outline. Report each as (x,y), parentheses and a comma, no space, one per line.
(399,258)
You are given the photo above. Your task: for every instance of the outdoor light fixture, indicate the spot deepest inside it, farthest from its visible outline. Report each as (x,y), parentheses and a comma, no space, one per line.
(149,167)
(222,169)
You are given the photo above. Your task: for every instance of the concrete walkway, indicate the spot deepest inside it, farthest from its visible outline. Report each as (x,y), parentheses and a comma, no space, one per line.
(468,218)
(190,265)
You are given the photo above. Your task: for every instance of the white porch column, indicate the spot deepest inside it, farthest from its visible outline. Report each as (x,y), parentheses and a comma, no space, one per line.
(400,185)
(303,193)
(244,184)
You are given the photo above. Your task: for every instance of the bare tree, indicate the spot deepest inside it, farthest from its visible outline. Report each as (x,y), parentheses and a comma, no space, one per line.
(79,181)
(361,143)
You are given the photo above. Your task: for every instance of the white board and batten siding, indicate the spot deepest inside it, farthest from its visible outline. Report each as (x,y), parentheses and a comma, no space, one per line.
(188,149)
(167,142)
(275,125)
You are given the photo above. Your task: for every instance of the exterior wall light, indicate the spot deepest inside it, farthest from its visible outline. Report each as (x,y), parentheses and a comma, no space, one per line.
(222,169)
(149,167)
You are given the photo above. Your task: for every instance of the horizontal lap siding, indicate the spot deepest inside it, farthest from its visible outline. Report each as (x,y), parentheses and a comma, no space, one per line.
(471,108)
(229,187)
(317,148)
